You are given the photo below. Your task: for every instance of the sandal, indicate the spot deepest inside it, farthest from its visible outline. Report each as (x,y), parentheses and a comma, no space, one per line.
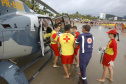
(56,66)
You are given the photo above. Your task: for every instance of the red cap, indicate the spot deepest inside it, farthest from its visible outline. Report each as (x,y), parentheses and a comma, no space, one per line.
(112,31)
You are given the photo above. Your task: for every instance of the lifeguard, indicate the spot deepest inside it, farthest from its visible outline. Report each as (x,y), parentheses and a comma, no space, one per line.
(109,56)
(74,29)
(54,45)
(66,42)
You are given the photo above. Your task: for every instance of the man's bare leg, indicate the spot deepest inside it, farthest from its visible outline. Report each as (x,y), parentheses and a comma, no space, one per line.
(111,74)
(105,72)
(76,61)
(55,61)
(54,58)
(66,71)
(69,69)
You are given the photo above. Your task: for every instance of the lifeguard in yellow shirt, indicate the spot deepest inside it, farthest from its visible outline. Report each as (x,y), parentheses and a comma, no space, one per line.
(54,45)
(66,42)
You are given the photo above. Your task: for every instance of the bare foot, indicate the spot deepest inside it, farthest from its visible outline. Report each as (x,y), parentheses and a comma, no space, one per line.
(79,73)
(110,79)
(100,80)
(66,77)
(77,65)
(69,74)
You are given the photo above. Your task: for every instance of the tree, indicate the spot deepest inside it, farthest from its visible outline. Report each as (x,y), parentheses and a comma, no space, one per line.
(45,10)
(41,12)
(77,13)
(51,14)
(35,7)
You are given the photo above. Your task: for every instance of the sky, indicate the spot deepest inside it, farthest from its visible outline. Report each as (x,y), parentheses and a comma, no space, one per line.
(92,7)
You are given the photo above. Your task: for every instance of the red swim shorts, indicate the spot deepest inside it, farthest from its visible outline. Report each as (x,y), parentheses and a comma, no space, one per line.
(67,59)
(76,51)
(55,49)
(106,59)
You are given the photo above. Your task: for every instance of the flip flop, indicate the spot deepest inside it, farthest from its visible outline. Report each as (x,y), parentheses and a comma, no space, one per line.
(56,66)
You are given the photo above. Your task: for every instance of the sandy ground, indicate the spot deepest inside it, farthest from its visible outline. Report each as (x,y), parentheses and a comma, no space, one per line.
(50,75)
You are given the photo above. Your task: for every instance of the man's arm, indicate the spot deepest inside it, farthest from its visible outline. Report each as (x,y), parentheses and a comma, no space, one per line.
(53,37)
(59,45)
(59,42)
(77,42)
(114,46)
(74,45)
(52,40)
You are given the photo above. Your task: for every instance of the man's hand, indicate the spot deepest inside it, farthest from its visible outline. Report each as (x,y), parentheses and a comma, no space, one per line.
(75,45)
(59,45)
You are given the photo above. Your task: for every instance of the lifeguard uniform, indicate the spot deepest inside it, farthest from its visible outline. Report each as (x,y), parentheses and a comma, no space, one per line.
(78,46)
(115,25)
(67,41)
(111,51)
(54,45)
(123,27)
(85,41)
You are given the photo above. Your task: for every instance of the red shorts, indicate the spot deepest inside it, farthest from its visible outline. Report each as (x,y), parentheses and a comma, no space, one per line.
(76,51)
(106,59)
(67,59)
(55,49)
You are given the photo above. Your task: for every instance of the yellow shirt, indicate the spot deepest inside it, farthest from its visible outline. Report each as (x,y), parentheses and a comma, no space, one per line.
(54,36)
(67,41)
(112,49)
(109,49)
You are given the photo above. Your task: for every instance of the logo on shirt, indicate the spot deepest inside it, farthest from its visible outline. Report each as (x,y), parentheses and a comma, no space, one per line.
(67,39)
(89,40)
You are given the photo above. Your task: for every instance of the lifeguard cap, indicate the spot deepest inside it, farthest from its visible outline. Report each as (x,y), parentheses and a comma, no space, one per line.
(112,32)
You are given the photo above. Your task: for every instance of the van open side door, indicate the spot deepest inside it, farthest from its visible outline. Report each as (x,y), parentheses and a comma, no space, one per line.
(64,20)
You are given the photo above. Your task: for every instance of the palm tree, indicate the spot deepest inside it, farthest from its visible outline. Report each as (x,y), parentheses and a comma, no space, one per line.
(35,6)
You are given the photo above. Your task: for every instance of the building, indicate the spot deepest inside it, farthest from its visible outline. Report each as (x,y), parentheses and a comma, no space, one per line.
(102,16)
(115,18)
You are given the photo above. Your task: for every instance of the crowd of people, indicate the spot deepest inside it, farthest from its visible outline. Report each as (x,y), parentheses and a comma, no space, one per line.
(71,42)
